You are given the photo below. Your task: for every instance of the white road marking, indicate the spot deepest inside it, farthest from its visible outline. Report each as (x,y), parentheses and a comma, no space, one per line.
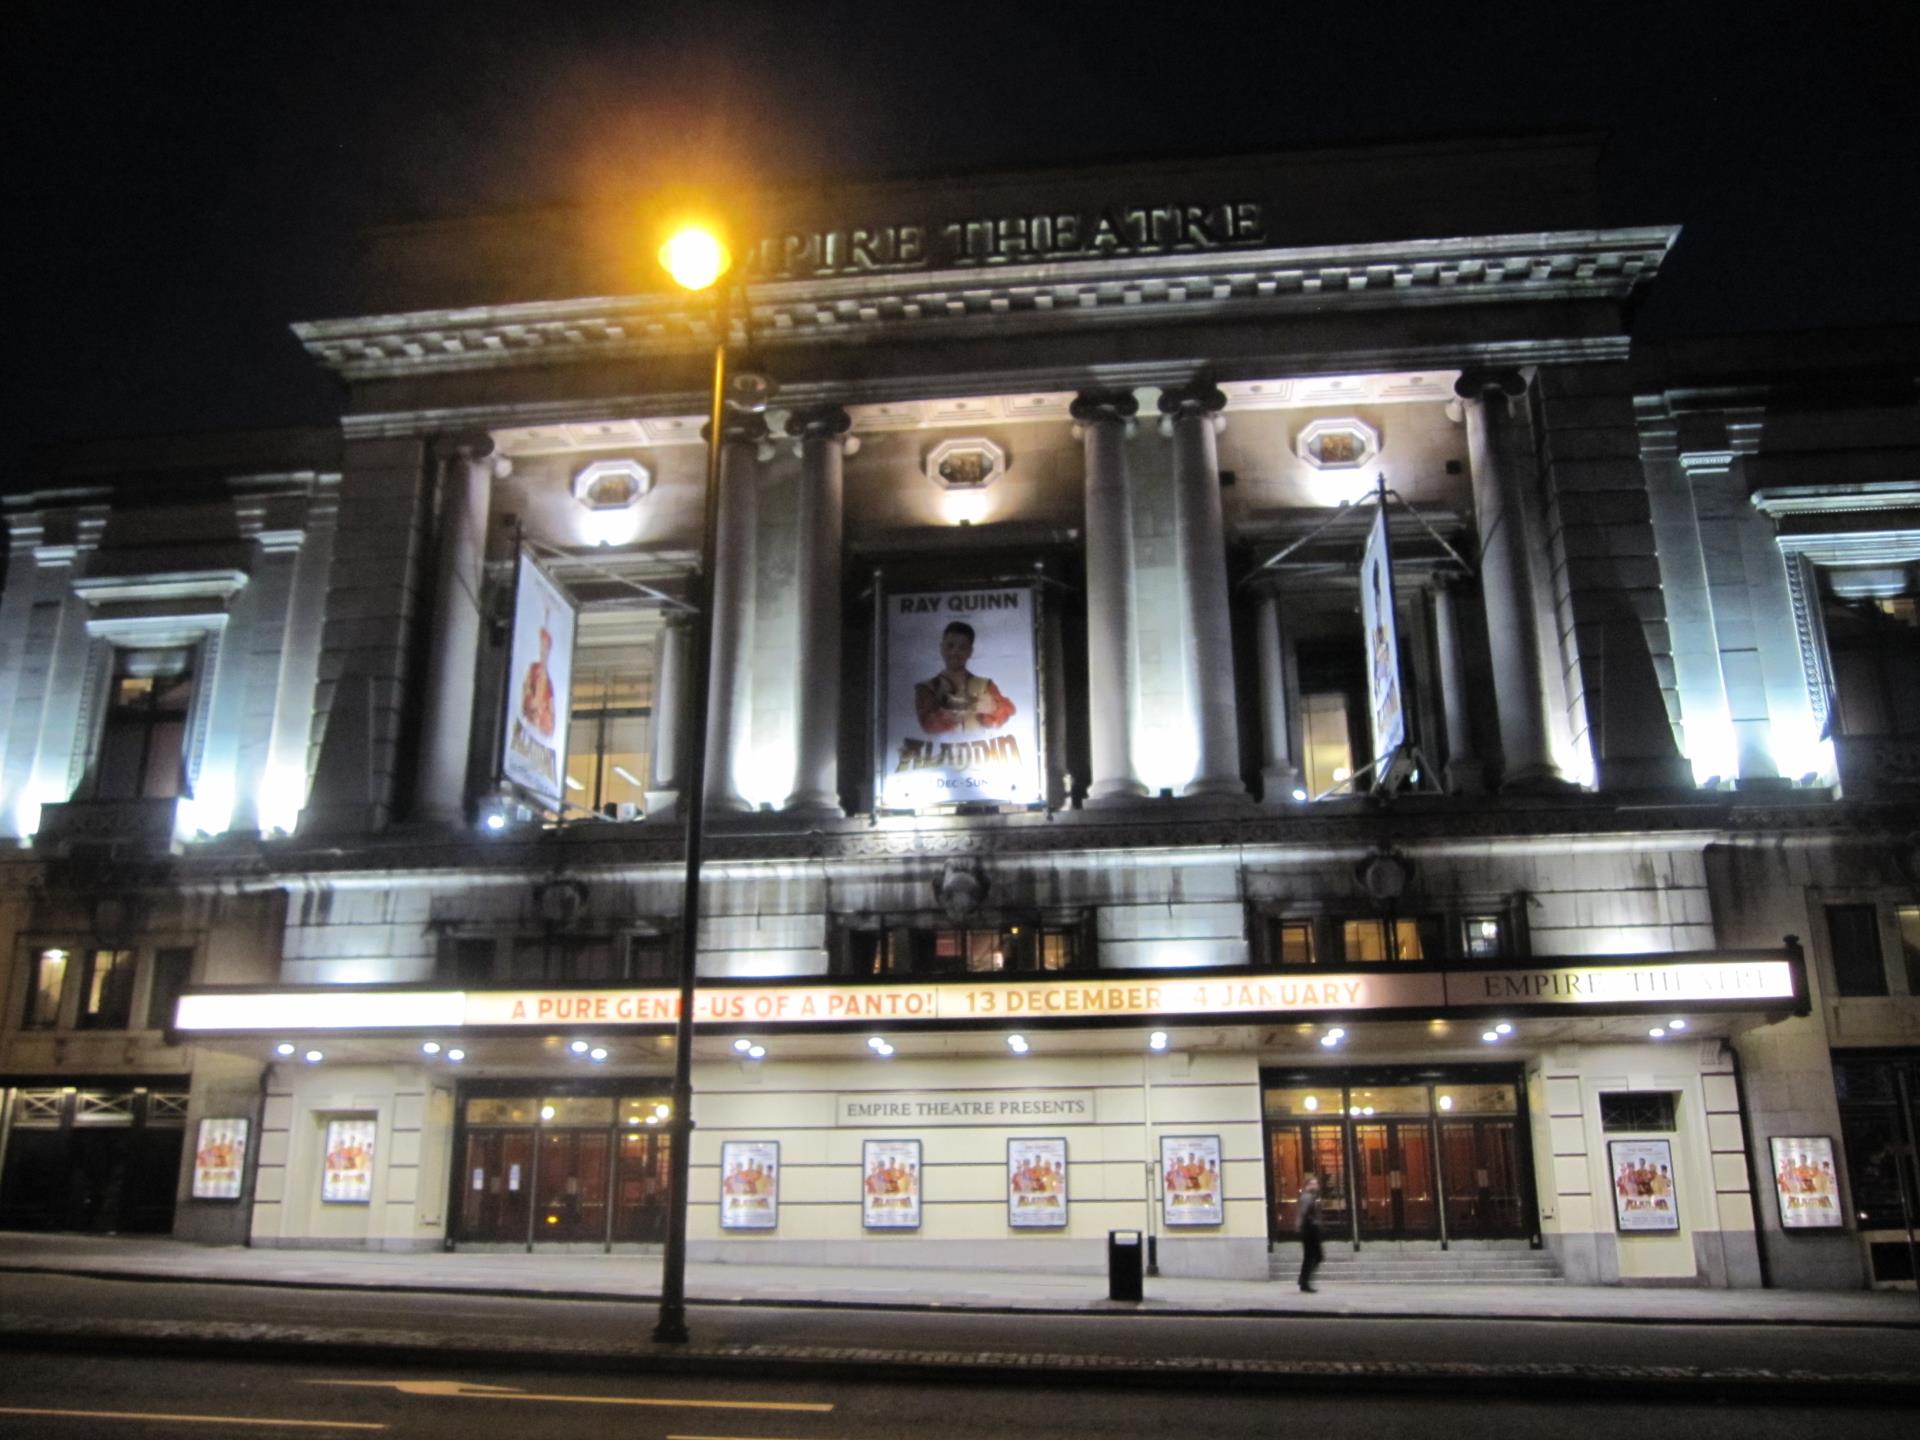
(151,1416)
(464,1390)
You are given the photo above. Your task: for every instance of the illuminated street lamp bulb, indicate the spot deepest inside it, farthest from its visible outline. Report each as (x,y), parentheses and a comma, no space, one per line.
(1503,1028)
(742,1045)
(1676,1024)
(430,1047)
(579,1047)
(456,1055)
(599,1052)
(695,257)
(1157,1040)
(314,1057)
(283,1048)
(758,1052)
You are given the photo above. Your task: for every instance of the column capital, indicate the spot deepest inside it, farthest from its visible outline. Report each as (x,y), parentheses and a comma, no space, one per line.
(464,444)
(1090,406)
(1197,397)
(824,422)
(1480,384)
(742,427)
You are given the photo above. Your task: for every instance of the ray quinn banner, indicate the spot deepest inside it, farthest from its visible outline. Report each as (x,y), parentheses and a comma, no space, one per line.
(1696,982)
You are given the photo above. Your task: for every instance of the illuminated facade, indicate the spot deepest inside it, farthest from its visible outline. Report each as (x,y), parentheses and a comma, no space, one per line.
(1045,893)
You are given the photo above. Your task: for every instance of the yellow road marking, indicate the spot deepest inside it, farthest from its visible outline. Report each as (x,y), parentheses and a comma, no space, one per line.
(195,1419)
(463,1390)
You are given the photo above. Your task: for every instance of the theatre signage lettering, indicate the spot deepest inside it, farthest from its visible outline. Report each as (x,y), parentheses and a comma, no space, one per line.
(1661,982)
(964,1107)
(1113,230)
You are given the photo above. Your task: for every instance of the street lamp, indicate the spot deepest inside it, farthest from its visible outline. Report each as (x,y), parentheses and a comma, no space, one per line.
(697,259)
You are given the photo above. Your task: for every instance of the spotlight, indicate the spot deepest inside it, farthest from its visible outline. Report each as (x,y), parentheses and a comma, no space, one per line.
(1157,1040)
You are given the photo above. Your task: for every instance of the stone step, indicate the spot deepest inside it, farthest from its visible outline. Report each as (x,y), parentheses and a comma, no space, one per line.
(1393,1265)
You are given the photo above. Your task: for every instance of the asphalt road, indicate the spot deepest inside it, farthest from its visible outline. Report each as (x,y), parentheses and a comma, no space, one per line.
(63,1397)
(479,1322)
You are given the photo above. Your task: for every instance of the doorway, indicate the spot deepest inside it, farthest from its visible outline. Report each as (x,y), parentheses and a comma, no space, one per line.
(99,1159)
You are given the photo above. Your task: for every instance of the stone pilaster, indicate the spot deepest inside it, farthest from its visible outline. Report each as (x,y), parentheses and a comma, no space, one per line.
(1191,419)
(730,676)
(1506,582)
(1279,772)
(666,757)
(824,445)
(1102,423)
(467,468)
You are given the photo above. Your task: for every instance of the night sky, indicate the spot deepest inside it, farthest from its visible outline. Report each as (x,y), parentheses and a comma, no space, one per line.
(186,178)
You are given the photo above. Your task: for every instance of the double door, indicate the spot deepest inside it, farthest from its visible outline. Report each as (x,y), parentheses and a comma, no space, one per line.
(1396,1194)
(563,1187)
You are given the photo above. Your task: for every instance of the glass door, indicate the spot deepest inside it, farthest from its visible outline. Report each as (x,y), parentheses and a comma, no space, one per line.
(1293,1152)
(572,1187)
(1395,1189)
(496,1198)
(640,1189)
(1481,1167)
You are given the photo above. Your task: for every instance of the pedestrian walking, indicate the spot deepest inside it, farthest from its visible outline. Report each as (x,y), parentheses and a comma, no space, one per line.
(1309,1225)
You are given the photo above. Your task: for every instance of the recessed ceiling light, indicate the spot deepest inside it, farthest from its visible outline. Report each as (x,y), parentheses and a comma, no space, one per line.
(314,1057)
(1490,1036)
(1676,1024)
(1157,1040)
(579,1047)
(757,1052)
(1338,1032)
(430,1047)
(1503,1028)
(599,1052)
(1658,1032)
(456,1055)
(283,1048)
(742,1045)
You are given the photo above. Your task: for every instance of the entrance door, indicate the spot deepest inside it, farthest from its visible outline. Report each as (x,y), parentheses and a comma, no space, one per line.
(1295,1150)
(572,1187)
(1395,1183)
(640,1189)
(1480,1170)
(496,1197)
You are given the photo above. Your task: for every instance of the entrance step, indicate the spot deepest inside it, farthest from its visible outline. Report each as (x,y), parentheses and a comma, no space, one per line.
(1398,1264)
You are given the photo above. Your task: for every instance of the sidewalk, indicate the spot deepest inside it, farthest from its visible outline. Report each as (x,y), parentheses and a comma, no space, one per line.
(637,1278)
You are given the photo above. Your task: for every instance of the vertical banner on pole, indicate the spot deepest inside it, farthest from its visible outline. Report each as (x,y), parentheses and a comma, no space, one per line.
(534,755)
(1386,702)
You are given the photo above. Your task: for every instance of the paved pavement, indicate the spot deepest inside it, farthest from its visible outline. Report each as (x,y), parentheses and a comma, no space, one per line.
(637,1277)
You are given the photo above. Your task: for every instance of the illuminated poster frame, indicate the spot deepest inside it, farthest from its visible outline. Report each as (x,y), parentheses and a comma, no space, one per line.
(891,1180)
(346,1160)
(1806,1182)
(220,1157)
(1192,1188)
(539,701)
(950,734)
(1646,1188)
(750,1185)
(1037,1183)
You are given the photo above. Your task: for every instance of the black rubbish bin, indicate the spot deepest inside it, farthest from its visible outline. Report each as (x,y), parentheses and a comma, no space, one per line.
(1126,1258)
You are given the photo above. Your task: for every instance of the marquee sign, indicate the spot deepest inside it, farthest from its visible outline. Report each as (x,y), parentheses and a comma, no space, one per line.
(1654,981)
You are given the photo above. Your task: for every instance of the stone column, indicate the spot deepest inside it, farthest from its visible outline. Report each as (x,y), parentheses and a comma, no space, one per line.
(1279,774)
(730,677)
(1192,420)
(666,756)
(1463,772)
(1506,587)
(824,446)
(453,645)
(1102,422)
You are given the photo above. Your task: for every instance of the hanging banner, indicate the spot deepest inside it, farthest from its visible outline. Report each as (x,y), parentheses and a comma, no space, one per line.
(1385,707)
(539,692)
(1805,1184)
(960,702)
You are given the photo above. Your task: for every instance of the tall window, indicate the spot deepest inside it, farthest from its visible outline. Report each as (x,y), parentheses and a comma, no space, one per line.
(106,997)
(1874,641)
(43,998)
(1859,966)
(963,950)
(143,737)
(1333,708)
(1371,941)
(171,969)
(611,734)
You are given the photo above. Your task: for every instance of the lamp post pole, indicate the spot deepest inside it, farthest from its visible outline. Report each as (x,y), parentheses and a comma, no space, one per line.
(672,1325)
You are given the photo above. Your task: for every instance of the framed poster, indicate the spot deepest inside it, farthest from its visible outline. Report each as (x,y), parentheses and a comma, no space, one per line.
(346,1171)
(533,752)
(1644,1192)
(1805,1184)
(890,1184)
(959,699)
(749,1184)
(1036,1183)
(1191,1193)
(219,1158)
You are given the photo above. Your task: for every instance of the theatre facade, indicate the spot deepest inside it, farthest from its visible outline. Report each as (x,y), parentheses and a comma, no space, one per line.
(1220,674)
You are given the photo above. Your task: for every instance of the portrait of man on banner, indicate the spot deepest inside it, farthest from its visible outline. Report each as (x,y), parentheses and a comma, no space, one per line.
(1385,706)
(534,755)
(962,699)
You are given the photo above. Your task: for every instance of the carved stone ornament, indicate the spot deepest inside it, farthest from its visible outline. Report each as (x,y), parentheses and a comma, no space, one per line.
(612,484)
(1337,444)
(1385,876)
(965,464)
(961,888)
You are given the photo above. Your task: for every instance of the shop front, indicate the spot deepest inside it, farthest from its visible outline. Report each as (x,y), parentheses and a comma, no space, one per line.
(1411,1153)
(101,1156)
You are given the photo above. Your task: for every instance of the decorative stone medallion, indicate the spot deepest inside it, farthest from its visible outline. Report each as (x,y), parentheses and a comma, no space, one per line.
(971,464)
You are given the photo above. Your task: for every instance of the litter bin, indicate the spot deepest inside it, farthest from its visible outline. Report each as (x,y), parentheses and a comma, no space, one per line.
(1125,1260)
